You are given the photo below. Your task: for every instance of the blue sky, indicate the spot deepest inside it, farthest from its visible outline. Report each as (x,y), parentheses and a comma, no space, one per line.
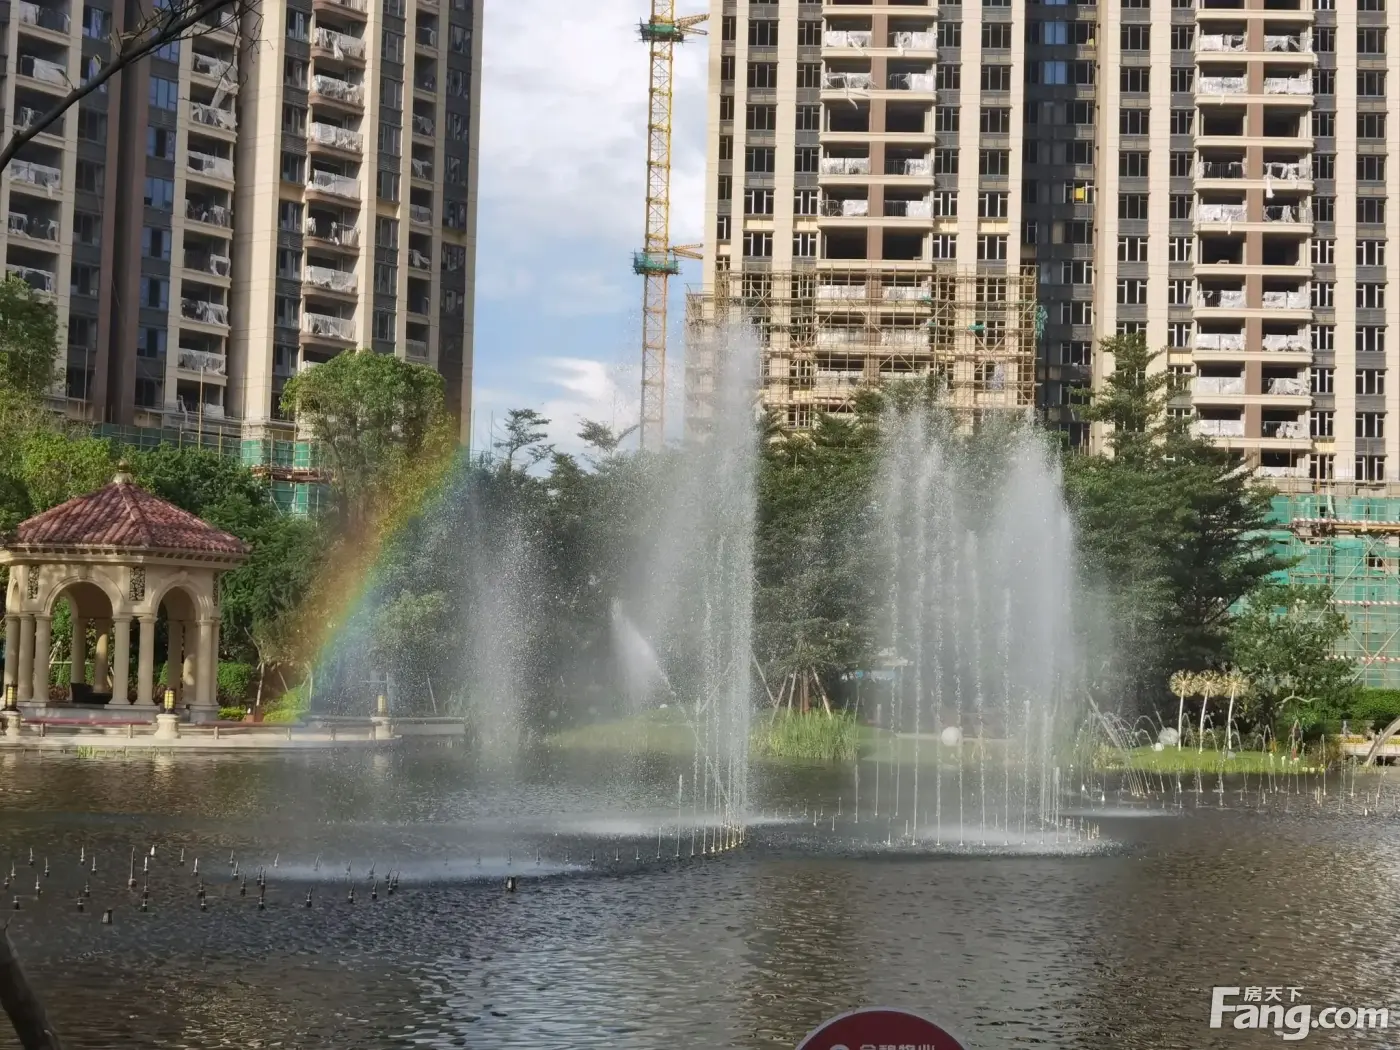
(562,205)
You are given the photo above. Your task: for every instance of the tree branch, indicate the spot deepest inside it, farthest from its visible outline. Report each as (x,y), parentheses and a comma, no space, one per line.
(144,42)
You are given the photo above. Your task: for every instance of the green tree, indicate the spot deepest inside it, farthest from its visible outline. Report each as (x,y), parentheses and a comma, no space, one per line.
(374,417)
(1284,639)
(525,433)
(28,339)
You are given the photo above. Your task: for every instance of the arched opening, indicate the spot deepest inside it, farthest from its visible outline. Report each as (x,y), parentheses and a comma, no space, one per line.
(177,639)
(80,644)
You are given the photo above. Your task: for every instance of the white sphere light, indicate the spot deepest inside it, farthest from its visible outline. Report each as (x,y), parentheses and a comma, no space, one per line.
(952,736)
(1168,736)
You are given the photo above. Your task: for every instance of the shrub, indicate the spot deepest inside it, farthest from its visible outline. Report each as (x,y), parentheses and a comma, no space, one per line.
(236,682)
(231,714)
(287,708)
(1374,707)
(814,736)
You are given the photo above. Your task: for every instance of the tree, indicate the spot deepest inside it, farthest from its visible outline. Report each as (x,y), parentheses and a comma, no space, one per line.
(1284,640)
(526,431)
(28,340)
(164,23)
(373,416)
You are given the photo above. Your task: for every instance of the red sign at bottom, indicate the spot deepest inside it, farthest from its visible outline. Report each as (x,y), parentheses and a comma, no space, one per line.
(879,1029)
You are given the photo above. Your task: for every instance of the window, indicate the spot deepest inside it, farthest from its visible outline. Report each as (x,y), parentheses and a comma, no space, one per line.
(1132,205)
(805,202)
(758,202)
(1132,164)
(761,118)
(150,342)
(996,35)
(1030,231)
(1370,168)
(1370,295)
(1182,164)
(1370,40)
(289,263)
(1134,80)
(804,245)
(947,118)
(726,147)
(1183,79)
(1135,37)
(724,228)
(97,24)
(759,160)
(763,75)
(1370,381)
(1320,423)
(1179,335)
(996,120)
(1079,271)
(809,74)
(1370,468)
(1081,313)
(726,67)
(391,46)
(991,247)
(1079,192)
(1075,352)
(945,204)
(155,242)
(164,94)
(160,193)
(1370,339)
(91,177)
(386,185)
(1324,209)
(1370,253)
(1132,291)
(945,162)
(992,205)
(1179,206)
(289,216)
(1324,251)
(293,168)
(1370,125)
(1183,38)
(726,107)
(994,162)
(1054,72)
(949,34)
(1370,210)
(1370,425)
(160,142)
(763,33)
(1324,339)
(996,78)
(1180,292)
(1321,379)
(947,77)
(758,245)
(390,139)
(1324,81)
(809,33)
(286,311)
(805,159)
(1179,249)
(391,92)
(87,228)
(1324,39)
(1324,294)
(809,118)
(945,246)
(1324,166)
(298,25)
(294,120)
(1132,249)
(1132,121)
(1324,124)
(155,292)
(725,188)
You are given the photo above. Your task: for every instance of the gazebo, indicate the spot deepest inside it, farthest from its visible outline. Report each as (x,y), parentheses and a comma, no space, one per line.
(119,556)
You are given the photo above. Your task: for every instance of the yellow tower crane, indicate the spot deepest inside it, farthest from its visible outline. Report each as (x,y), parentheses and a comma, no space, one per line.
(659,259)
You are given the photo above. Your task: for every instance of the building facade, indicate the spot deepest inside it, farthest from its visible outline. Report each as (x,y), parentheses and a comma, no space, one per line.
(247,203)
(1212,174)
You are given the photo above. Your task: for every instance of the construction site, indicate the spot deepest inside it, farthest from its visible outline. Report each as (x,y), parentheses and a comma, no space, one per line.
(825,333)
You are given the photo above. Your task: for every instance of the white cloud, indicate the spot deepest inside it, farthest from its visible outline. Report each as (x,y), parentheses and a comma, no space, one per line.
(568,391)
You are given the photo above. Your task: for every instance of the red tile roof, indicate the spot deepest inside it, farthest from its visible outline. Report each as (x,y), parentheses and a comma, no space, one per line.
(124,516)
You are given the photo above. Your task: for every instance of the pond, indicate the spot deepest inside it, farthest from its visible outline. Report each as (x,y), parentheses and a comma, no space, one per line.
(611,941)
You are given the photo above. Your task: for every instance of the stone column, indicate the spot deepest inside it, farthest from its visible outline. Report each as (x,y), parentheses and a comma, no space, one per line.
(204,673)
(26,658)
(174,661)
(121,658)
(42,626)
(146,660)
(78,672)
(101,673)
(11,651)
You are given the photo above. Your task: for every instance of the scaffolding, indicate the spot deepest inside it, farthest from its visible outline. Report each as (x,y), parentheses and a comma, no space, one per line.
(1348,540)
(826,333)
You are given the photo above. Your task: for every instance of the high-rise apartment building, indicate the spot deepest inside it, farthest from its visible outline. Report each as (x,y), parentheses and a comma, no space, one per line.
(247,203)
(1213,174)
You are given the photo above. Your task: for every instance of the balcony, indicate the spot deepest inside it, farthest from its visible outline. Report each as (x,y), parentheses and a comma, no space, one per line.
(330,279)
(1228,341)
(203,262)
(201,362)
(39,280)
(1288,343)
(339,233)
(920,209)
(212,214)
(845,165)
(338,90)
(339,185)
(51,73)
(1287,386)
(910,82)
(44,18)
(1218,427)
(27,116)
(847,81)
(1294,214)
(204,312)
(426,36)
(1301,85)
(33,226)
(334,137)
(1287,429)
(1216,386)
(210,165)
(848,38)
(341,45)
(1220,169)
(415,349)
(38,175)
(1290,43)
(422,125)
(1290,171)
(914,41)
(420,213)
(425,80)
(217,68)
(848,209)
(1207,213)
(1220,42)
(1221,299)
(1286,301)
(1220,86)
(360,7)
(213,117)
(419,260)
(326,326)
(422,168)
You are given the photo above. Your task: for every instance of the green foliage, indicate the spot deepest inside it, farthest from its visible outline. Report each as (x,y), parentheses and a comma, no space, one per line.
(1284,641)
(289,708)
(810,737)
(236,682)
(1375,708)
(231,714)
(28,339)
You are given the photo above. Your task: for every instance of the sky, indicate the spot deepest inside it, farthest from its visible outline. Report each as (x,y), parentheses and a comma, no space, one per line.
(562,207)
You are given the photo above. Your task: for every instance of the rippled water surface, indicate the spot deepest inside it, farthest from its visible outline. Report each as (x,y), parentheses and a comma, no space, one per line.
(613,942)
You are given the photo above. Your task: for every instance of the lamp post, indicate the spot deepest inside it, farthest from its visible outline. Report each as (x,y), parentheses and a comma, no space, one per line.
(169,700)
(11,698)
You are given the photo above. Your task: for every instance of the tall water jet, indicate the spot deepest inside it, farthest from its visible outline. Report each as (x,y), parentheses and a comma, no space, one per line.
(979,543)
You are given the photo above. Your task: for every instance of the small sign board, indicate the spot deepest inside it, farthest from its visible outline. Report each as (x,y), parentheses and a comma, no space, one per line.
(880,1029)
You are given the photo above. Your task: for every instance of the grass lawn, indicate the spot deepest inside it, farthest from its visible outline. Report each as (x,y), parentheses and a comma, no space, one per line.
(1189,760)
